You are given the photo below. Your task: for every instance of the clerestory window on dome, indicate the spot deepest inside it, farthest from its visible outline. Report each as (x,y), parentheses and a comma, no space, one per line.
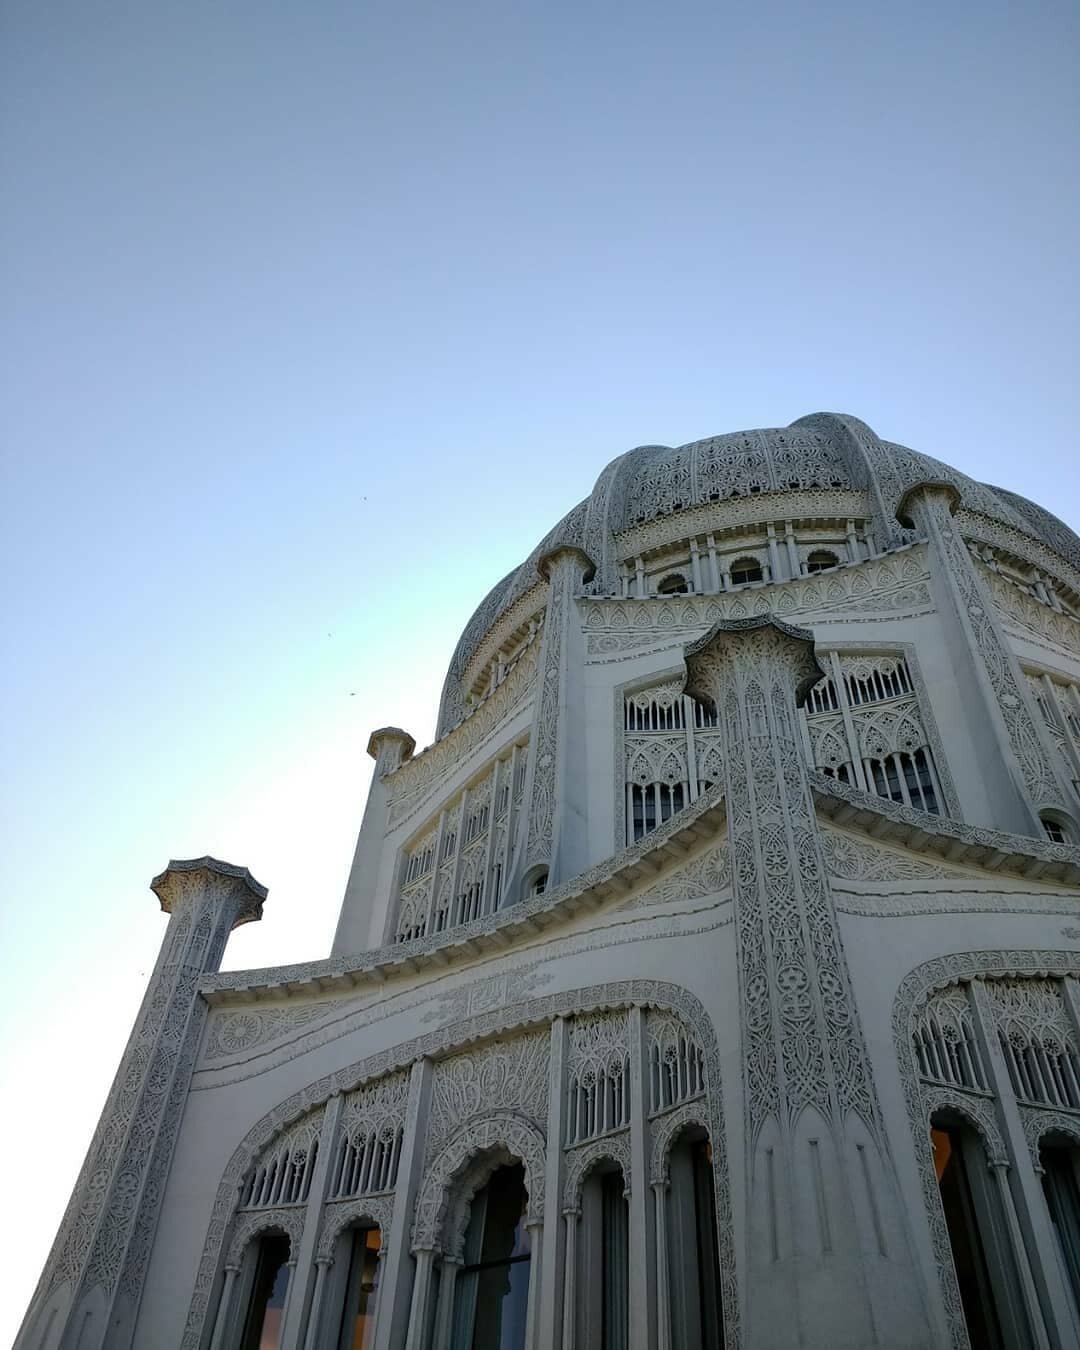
(1055,831)
(744,570)
(820,560)
(675,584)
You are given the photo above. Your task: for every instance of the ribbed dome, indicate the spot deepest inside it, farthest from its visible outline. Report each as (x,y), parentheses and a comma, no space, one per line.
(822,452)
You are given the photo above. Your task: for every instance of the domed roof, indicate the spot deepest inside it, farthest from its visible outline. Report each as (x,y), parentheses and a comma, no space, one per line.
(825,451)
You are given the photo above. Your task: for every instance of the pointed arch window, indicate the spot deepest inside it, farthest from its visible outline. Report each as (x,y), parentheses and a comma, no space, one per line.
(492,1289)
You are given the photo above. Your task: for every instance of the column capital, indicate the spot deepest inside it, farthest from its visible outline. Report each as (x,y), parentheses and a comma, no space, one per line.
(389,747)
(562,554)
(921,491)
(208,878)
(705,657)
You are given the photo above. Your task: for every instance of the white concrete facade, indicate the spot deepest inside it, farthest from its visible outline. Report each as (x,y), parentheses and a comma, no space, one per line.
(751,835)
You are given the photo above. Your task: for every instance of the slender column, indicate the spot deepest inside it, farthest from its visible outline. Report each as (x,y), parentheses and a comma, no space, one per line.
(459,856)
(663,1278)
(691,748)
(554,1179)
(836,672)
(775,573)
(792,549)
(639,578)
(854,552)
(1000,1170)
(311,1340)
(642,1235)
(714,571)
(1029,1221)
(444,1314)
(725,574)
(569,1310)
(393,1320)
(535,1229)
(987,668)
(422,1294)
(290,1288)
(103,1247)
(292,1329)
(433,890)
(695,566)
(224,1307)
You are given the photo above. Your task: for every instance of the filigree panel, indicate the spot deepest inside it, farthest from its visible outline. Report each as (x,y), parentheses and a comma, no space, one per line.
(511,1074)
(582,1160)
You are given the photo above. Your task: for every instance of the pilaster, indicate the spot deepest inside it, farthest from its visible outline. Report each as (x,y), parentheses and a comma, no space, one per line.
(642,1214)
(996,692)
(93,1279)
(807,1079)
(554,1253)
(389,747)
(553,837)
(392,1324)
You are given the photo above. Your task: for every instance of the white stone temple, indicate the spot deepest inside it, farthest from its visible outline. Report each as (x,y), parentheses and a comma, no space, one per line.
(712,980)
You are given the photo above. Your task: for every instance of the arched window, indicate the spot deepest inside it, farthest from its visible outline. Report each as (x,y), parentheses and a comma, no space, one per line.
(744,570)
(492,1289)
(356,1268)
(603,1255)
(978,1235)
(265,1276)
(1060,1162)
(1055,831)
(536,882)
(693,1253)
(675,584)
(821,559)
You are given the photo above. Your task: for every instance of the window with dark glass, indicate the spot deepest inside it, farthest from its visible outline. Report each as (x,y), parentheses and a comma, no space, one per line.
(693,1252)
(266,1304)
(820,559)
(356,1330)
(492,1291)
(744,570)
(1061,1187)
(978,1235)
(676,584)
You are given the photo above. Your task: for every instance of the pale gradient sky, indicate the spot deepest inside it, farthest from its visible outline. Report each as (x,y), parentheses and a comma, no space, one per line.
(317,317)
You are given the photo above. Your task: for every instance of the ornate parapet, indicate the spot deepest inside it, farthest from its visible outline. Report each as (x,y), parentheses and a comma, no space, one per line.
(92,1282)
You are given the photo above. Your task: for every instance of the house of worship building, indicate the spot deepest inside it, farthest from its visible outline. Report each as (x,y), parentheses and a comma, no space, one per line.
(711,981)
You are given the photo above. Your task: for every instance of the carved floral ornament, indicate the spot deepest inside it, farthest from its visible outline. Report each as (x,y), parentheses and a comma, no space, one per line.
(506,1132)
(923,1098)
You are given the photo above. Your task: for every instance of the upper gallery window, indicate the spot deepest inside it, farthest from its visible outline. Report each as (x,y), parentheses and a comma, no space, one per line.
(1054,830)
(820,560)
(675,584)
(744,570)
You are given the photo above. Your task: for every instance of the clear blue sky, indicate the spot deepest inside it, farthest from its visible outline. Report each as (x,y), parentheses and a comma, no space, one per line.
(316,317)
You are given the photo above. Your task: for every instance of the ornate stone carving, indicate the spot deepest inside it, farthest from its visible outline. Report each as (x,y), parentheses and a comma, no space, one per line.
(247,1227)
(581,1161)
(105,1238)
(468,1158)
(510,1074)
(850,857)
(648,993)
(802,1045)
(371,1211)
(665,1131)
(411,784)
(237,1033)
(1038,1123)
(914,991)
(706,874)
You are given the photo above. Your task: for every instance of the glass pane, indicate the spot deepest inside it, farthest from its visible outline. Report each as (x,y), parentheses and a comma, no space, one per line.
(361,1295)
(969,1256)
(493,1287)
(262,1327)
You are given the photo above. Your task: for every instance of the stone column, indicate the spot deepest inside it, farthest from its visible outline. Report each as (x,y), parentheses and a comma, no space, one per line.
(423,1293)
(553,838)
(389,747)
(551,1292)
(569,1301)
(663,1281)
(996,692)
(392,1324)
(642,1268)
(300,1307)
(806,1077)
(95,1271)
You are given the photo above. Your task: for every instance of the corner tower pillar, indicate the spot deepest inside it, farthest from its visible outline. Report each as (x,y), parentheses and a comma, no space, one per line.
(809,1101)
(554,829)
(985,665)
(88,1295)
